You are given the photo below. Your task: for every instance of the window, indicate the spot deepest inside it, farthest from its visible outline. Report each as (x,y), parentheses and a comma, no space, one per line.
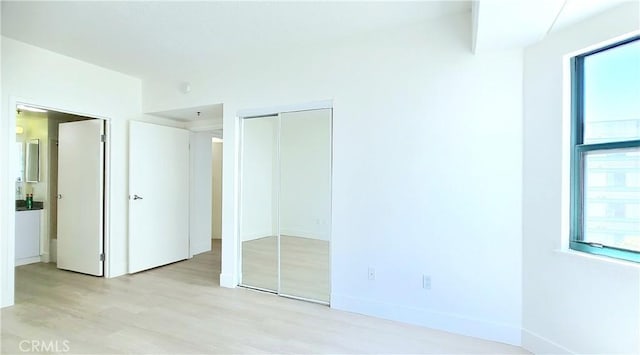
(605,155)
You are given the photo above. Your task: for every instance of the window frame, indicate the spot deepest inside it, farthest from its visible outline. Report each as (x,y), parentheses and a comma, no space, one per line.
(578,151)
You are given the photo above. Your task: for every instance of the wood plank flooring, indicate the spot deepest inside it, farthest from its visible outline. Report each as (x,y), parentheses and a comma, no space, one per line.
(180,309)
(304,266)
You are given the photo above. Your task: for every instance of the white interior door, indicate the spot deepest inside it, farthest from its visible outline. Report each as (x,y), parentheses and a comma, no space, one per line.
(81,197)
(158,195)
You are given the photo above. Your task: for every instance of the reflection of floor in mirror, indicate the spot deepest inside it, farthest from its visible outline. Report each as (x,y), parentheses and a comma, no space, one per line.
(260,263)
(304,268)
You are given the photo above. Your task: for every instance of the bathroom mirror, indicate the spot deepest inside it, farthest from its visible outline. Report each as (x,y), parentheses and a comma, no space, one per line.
(32,161)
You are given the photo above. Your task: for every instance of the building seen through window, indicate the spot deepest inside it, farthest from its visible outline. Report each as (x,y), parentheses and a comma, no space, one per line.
(607,147)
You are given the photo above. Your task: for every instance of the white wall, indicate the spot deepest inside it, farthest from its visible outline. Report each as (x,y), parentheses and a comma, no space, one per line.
(571,302)
(200,188)
(305,174)
(427,168)
(45,78)
(258,184)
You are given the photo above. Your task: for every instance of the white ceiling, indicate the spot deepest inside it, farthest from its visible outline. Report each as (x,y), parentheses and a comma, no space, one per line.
(578,10)
(154,39)
(172,40)
(207,112)
(504,24)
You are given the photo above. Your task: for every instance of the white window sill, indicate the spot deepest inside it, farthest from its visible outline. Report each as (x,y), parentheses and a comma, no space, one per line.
(598,258)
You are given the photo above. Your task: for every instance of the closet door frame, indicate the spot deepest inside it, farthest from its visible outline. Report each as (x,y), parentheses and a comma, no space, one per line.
(277,112)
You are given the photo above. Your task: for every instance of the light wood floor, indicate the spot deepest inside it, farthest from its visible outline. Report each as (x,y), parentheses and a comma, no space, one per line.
(180,309)
(304,266)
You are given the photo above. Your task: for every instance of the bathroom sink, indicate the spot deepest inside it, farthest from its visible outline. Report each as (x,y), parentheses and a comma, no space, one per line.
(21,205)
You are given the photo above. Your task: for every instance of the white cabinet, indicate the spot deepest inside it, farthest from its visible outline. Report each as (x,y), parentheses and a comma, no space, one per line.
(27,237)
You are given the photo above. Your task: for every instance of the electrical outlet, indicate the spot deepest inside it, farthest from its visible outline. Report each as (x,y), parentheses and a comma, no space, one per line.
(426,282)
(372,273)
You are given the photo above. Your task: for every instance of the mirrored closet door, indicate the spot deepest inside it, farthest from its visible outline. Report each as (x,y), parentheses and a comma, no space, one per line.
(291,154)
(258,201)
(305,203)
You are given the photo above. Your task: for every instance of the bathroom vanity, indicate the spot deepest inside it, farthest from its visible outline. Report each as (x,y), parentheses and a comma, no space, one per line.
(28,233)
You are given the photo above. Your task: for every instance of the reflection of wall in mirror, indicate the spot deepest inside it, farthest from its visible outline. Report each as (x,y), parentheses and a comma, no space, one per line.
(305,174)
(302,184)
(258,169)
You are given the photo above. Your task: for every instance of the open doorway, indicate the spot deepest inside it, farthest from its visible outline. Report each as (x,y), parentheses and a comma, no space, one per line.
(206,192)
(43,166)
(205,181)
(205,209)
(216,193)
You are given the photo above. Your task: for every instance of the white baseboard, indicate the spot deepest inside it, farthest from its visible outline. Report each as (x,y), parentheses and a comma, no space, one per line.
(45,258)
(454,323)
(538,344)
(199,249)
(228,281)
(25,261)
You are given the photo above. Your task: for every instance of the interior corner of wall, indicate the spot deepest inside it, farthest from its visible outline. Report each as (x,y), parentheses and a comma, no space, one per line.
(475,14)
(538,344)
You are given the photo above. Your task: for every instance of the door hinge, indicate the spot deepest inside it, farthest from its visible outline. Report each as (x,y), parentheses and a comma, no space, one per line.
(102,257)
(103,138)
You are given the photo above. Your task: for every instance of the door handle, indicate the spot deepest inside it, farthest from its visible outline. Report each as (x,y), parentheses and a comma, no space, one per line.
(136,197)
(59,196)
